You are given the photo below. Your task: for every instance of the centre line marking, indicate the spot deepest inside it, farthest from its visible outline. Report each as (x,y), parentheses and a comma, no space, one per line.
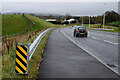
(110,42)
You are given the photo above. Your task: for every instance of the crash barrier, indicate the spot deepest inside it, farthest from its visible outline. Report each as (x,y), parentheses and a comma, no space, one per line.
(24,52)
(101,29)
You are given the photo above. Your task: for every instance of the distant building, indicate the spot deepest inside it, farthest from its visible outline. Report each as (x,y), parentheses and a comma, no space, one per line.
(50,20)
(69,20)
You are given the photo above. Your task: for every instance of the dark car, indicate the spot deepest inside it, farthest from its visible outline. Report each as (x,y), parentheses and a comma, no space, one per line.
(80,31)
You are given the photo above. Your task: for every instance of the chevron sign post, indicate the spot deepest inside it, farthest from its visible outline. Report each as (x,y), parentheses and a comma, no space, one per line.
(21,59)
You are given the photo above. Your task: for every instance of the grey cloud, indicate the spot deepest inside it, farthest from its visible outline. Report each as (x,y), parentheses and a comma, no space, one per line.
(74,8)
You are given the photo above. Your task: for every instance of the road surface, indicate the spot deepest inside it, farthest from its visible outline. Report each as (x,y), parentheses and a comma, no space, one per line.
(102,45)
(63,59)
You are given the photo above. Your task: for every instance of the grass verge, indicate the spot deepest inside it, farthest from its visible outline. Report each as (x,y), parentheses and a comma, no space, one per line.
(9,62)
(0,59)
(115,23)
(115,29)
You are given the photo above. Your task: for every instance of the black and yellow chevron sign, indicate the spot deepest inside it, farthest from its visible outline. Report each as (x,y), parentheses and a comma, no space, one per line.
(21,62)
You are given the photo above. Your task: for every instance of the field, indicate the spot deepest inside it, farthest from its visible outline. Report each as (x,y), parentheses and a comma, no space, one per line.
(115,23)
(115,29)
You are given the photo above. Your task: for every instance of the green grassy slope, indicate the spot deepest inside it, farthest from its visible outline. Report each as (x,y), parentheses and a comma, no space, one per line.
(39,23)
(12,24)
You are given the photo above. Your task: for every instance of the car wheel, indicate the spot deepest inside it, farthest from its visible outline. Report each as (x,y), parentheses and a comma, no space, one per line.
(85,35)
(75,35)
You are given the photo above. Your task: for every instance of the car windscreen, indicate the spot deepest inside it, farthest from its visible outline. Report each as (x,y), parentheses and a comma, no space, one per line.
(81,28)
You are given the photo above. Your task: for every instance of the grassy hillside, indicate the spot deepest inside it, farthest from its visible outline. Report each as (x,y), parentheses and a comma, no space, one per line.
(39,23)
(12,24)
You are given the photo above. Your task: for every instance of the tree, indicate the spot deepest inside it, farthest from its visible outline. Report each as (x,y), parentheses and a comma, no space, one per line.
(111,16)
(61,19)
(68,16)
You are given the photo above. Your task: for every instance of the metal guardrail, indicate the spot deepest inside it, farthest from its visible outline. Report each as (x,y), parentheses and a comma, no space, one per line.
(24,53)
(101,29)
(34,45)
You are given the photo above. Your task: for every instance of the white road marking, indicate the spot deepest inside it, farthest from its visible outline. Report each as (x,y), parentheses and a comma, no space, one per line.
(106,41)
(90,54)
(98,39)
(110,42)
(101,35)
(94,37)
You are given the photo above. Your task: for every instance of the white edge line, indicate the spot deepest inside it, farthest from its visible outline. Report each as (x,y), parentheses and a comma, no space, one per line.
(91,54)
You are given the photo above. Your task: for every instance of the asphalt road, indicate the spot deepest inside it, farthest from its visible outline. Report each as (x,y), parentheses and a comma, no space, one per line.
(102,45)
(64,59)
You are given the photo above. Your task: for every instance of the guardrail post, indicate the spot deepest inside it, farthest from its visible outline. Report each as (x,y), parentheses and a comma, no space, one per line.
(28,55)
(29,50)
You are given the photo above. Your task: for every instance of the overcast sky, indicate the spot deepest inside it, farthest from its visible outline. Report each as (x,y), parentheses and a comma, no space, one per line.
(60,0)
(74,7)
